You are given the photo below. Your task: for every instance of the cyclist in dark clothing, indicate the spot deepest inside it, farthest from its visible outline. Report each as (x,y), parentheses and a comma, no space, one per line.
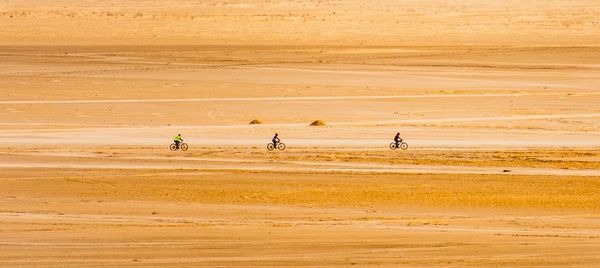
(397,139)
(275,139)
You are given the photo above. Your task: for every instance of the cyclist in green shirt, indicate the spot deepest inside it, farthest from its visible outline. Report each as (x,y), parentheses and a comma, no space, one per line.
(177,140)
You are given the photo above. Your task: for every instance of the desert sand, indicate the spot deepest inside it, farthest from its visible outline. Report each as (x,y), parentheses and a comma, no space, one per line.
(498,100)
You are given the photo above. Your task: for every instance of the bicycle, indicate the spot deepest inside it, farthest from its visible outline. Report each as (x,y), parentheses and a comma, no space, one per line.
(183,146)
(280,146)
(401,145)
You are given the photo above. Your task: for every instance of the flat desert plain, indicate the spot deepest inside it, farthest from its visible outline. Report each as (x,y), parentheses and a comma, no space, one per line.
(499,102)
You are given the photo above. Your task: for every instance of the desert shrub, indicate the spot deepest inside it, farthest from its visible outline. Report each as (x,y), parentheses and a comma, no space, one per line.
(317,123)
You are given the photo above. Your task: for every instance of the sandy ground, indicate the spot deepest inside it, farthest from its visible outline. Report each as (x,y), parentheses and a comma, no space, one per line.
(311,22)
(202,209)
(498,101)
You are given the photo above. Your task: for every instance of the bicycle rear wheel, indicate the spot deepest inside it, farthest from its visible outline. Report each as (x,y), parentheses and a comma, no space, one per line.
(270,147)
(393,146)
(173,147)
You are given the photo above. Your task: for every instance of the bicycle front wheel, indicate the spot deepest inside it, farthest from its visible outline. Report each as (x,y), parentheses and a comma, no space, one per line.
(404,146)
(184,146)
(281,146)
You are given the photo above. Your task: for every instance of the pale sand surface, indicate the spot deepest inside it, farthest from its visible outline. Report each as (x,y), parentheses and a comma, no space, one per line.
(388,22)
(498,101)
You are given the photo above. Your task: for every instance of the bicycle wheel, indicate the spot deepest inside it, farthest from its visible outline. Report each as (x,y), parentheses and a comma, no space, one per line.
(184,146)
(281,146)
(270,147)
(173,147)
(393,146)
(404,145)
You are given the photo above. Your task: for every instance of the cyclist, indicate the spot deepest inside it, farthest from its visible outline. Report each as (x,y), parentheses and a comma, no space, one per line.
(177,140)
(275,140)
(397,139)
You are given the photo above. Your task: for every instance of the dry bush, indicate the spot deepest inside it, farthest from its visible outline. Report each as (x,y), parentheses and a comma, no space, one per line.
(317,123)
(255,122)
